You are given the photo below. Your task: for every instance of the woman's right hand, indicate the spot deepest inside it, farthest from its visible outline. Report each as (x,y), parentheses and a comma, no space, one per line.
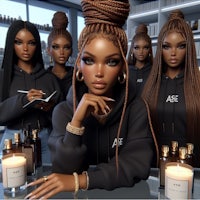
(90,103)
(34,94)
(52,184)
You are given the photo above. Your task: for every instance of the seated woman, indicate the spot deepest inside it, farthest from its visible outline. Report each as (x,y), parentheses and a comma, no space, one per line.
(100,123)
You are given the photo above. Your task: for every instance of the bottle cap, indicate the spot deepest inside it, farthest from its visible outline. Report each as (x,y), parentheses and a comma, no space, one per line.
(8,144)
(17,137)
(35,133)
(190,148)
(182,152)
(165,150)
(174,145)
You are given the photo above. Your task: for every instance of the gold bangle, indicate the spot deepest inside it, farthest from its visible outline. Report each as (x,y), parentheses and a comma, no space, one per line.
(76,183)
(75,130)
(87,180)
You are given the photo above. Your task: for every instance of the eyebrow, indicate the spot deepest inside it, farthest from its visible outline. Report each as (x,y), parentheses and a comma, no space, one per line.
(181,42)
(90,54)
(22,39)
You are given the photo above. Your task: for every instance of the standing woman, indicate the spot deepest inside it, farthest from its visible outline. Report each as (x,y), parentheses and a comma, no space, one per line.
(23,69)
(173,87)
(140,58)
(100,123)
(60,49)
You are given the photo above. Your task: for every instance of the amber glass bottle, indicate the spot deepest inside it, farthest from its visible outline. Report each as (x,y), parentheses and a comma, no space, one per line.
(17,146)
(190,154)
(182,155)
(174,154)
(164,159)
(7,147)
(28,149)
(37,148)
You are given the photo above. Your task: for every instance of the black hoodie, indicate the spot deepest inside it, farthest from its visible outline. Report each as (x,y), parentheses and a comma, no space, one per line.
(13,115)
(138,77)
(72,153)
(171,111)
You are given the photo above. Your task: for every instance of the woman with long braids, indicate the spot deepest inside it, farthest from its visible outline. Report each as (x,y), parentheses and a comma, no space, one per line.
(140,58)
(173,87)
(60,49)
(100,124)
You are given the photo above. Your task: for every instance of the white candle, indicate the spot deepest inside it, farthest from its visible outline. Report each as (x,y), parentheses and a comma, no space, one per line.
(178,181)
(13,171)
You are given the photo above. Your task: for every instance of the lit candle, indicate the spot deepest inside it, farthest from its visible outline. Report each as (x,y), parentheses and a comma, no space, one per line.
(13,171)
(178,181)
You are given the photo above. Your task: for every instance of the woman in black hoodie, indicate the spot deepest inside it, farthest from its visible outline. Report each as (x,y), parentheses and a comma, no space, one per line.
(23,69)
(140,58)
(173,87)
(100,124)
(60,50)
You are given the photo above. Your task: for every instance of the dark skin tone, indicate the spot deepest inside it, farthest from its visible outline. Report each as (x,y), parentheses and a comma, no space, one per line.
(100,63)
(25,46)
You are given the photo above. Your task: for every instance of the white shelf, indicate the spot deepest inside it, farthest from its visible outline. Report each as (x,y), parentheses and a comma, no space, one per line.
(155,13)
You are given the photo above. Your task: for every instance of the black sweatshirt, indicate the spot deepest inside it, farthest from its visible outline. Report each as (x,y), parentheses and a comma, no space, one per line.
(138,77)
(171,111)
(72,153)
(12,113)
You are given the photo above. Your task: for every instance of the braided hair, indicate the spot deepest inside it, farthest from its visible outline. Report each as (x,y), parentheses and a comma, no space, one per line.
(105,18)
(141,33)
(60,23)
(176,23)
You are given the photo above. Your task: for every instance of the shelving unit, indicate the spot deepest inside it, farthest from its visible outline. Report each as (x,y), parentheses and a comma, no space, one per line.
(155,13)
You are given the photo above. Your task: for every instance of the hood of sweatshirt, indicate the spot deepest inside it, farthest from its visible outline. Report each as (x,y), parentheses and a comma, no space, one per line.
(25,81)
(38,71)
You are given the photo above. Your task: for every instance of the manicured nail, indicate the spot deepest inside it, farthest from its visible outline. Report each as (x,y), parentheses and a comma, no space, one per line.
(33,197)
(27,196)
(42,92)
(108,108)
(110,99)
(30,184)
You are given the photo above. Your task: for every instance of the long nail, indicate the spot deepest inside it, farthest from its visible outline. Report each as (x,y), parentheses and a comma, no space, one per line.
(110,99)
(30,184)
(105,112)
(108,108)
(27,196)
(33,197)
(42,92)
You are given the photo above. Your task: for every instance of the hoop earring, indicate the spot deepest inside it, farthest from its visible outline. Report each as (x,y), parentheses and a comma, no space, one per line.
(132,56)
(51,61)
(122,78)
(79,76)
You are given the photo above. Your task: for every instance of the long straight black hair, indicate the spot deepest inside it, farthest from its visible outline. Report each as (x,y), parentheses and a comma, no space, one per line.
(10,58)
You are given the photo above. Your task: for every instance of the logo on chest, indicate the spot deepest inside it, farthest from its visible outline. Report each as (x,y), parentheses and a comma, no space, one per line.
(120,142)
(172,98)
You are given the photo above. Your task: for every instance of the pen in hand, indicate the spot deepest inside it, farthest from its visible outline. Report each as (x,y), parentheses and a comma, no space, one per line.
(26,92)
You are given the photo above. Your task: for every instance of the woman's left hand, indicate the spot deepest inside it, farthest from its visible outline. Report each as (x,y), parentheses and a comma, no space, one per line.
(51,185)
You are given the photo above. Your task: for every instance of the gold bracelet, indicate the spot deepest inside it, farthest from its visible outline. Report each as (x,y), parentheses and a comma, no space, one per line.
(76,182)
(75,130)
(87,180)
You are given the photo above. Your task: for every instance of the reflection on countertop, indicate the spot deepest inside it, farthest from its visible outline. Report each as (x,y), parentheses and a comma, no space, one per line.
(148,189)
